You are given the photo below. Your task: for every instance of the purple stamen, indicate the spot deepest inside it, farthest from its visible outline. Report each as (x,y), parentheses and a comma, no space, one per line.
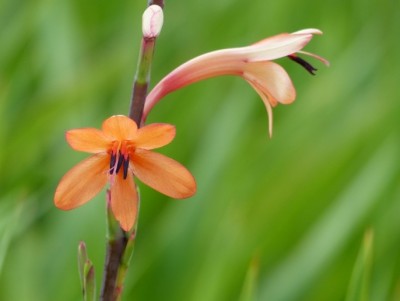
(125,166)
(306,65)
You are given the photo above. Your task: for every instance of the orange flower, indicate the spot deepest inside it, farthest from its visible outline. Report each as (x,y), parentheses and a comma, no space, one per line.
(253,63)
(121,152)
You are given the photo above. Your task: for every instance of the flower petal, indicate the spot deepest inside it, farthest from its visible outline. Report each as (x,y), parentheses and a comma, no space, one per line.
(268,107)
(81,183)
(308,31)
(230,61)
(163,174)
(155,135)
(276,47)
(124,200)
(272,80)
(120,127)
(88,140)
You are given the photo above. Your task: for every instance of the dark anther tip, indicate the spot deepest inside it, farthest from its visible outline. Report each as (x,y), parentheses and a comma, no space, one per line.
(125,167)
(306,65)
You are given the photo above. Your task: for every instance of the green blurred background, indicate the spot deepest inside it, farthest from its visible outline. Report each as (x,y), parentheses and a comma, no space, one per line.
(273,219)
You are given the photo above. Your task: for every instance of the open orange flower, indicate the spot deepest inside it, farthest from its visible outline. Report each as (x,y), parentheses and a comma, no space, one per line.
(121,152)
(253,63)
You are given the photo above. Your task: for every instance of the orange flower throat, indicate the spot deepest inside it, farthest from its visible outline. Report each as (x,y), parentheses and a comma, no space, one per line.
(119,157)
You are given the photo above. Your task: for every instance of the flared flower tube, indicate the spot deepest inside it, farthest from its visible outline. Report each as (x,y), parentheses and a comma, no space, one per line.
(253,63)
(120,152)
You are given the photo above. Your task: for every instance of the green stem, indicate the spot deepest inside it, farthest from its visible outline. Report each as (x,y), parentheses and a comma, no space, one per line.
(116,244)
(120,244)
(142,80)
(124,264)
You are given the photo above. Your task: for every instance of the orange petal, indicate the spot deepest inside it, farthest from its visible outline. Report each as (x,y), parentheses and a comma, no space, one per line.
(124,200)
(120,127)
(163,174)
(155,135)
(88,140)
(81,183)
(273,80)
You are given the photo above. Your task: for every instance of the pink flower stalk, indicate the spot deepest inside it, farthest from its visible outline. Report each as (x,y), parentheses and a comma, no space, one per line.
(253,63)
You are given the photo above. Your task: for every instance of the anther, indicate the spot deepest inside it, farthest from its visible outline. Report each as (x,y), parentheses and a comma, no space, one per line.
(306,65)
(126,166)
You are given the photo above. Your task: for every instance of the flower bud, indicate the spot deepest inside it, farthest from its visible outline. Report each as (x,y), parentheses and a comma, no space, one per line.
(152,21)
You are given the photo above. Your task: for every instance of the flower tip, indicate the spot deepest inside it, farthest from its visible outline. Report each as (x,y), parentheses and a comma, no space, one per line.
(59,203)
(191,191)
(126,226)
(309,31)
(82,246)
(187,190)
(152,21)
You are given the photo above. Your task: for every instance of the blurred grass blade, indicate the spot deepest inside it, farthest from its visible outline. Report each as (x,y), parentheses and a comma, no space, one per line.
(250,283)
(8,227)
(360,279)
(332,232)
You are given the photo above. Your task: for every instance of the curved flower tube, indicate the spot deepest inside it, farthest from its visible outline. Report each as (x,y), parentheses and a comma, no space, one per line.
(253,63)
(120,151)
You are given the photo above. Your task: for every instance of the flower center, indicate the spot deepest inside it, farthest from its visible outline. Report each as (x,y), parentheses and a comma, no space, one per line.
(119,157)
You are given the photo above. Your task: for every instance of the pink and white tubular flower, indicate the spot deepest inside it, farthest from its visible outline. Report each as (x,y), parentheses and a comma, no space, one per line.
(253,63)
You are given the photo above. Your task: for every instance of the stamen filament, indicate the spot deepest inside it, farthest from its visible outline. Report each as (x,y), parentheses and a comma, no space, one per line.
(120,161)
(112,162)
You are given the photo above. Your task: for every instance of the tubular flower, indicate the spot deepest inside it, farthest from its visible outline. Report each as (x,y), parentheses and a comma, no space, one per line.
(253,63)
(120,151)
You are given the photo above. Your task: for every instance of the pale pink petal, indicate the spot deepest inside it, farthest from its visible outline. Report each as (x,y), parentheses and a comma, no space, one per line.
(308,31)
(124,200)
(276,47)
(222,62)
(154,135)
(163,174)
(88,140)
(81,183)
(120,127)
(268,107)
(272,80)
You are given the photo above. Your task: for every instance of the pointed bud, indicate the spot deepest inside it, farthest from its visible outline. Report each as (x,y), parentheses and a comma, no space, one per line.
(90,282)
(152,21)
(86,273)
(82,258)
